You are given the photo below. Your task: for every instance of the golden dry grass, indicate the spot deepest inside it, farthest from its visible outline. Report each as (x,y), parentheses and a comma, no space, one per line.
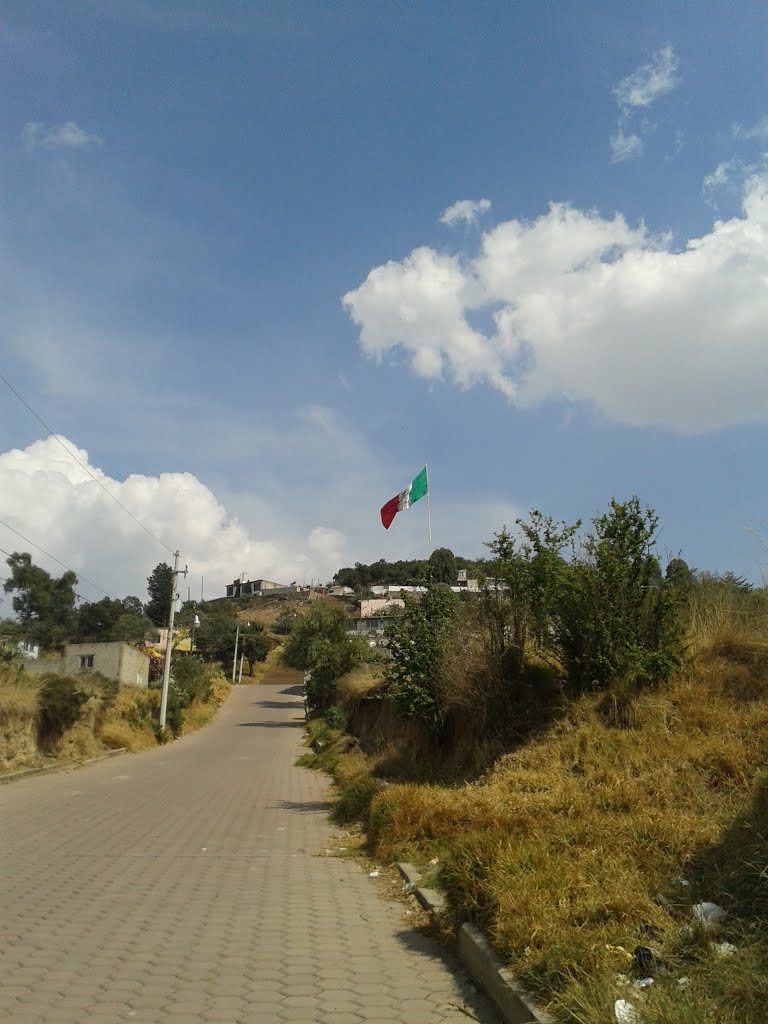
(19,693)
(558,851)
(360,680)
(128,720)
(200,713)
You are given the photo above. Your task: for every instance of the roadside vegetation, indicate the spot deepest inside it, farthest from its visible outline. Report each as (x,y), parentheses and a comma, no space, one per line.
(73,718)
(582,747)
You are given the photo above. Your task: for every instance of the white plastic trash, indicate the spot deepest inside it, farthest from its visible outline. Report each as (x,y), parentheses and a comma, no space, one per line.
(710,916)
(625,1012)
(725,949)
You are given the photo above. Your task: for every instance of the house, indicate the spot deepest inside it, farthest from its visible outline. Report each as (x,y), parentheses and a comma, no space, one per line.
(376,605)
(27,649)
(367,625)
(260,588)
(117,661)
(341,592)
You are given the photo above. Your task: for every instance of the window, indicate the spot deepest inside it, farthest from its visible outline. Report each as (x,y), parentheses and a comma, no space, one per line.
(86,661)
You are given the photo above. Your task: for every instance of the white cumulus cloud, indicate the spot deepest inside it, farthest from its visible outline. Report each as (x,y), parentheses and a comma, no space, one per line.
(464,210)
(587,308)
(68,135)
(53,501)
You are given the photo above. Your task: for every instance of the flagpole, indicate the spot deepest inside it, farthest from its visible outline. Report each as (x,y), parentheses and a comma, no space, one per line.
(429,510)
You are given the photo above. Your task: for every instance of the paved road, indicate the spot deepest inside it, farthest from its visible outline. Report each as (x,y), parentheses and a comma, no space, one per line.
(184,885)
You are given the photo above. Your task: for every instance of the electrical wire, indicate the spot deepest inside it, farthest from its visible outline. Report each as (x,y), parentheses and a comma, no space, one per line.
(82,465)
(53,557)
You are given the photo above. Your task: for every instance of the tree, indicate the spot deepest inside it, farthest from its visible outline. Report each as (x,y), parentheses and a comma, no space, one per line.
(518,602)
(679,574)
(96,620)
(108,620)
(132,628)
(45,605)
(215,636)
(160,589)
(255,645)
(416,638)
(132,606)
(442,563)
(319,643)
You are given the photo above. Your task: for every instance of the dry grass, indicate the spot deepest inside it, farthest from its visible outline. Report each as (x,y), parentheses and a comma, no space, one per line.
(361,680)
(200,713)
(19,693)
(19,705)
(128,721)
(559,850)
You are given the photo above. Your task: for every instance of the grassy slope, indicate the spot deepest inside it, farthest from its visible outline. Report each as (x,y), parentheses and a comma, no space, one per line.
(559,850)
(108,720)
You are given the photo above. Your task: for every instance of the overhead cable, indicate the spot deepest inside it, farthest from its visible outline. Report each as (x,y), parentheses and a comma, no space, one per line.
(64,565)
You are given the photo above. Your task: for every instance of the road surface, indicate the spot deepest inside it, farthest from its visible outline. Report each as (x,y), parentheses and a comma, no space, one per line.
(189,884)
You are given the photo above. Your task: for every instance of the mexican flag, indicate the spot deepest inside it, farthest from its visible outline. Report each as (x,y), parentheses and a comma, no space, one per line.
(416,489)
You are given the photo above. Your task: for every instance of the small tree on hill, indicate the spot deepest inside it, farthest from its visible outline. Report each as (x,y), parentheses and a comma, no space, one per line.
(518,601)
(442,565)
(255,645)
(415,639)
(619,623)
(319,643)
(160,590)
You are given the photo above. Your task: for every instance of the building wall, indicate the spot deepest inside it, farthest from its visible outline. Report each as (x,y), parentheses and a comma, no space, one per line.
(373,605)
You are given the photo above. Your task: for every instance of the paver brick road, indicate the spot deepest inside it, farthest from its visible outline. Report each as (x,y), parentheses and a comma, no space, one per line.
(188,884)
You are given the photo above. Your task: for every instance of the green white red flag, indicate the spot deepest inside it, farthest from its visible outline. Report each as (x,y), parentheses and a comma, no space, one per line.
(416,489)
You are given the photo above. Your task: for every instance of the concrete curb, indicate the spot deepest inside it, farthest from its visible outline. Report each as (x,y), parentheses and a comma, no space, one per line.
(49,769)
(481,962)
(430,899)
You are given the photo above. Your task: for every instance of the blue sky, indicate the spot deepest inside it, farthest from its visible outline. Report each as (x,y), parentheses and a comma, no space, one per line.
(191,189)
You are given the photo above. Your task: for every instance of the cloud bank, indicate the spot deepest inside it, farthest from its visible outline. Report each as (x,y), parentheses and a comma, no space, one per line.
(55,503)
(588,308)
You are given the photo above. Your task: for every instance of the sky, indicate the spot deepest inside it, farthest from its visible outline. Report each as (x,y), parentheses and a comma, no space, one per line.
(260,262)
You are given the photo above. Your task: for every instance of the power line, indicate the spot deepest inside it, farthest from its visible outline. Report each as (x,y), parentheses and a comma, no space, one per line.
(55,559)
(82,465)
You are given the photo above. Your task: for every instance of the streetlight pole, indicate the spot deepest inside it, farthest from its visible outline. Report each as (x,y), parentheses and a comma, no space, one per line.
(234,660)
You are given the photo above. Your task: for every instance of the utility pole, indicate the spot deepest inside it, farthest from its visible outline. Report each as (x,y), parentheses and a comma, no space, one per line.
(169,642)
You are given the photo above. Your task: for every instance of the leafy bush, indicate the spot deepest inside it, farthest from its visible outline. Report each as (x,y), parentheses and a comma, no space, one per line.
(285,622)
(518,604)
(193,680)
(416,638)
(61,701)
(619,622)
(335,718)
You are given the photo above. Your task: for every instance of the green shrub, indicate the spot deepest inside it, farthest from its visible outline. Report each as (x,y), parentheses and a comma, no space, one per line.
(619,621)
(61,702)
(335,718)
(416,637)
(192,679)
